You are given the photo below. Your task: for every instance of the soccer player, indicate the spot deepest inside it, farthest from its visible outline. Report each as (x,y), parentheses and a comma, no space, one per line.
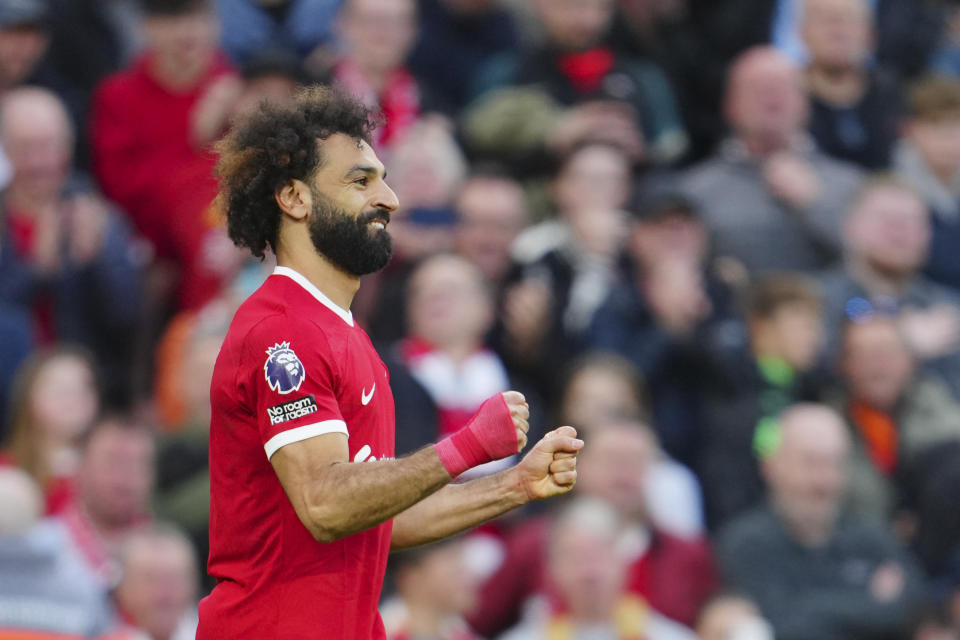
(307,498)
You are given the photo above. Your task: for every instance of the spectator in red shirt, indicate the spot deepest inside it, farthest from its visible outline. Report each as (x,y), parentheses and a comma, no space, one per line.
(144,153)
(55,400)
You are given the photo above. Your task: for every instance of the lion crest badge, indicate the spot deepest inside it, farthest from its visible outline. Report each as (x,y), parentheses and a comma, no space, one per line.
(283,370)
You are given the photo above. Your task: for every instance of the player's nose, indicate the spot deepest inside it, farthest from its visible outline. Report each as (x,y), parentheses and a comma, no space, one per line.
(386,199)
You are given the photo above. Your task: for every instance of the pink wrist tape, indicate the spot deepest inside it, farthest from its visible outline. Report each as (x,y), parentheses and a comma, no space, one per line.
(490,435)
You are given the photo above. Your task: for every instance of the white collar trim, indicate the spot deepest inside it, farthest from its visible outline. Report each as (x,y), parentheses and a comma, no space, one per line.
(301,280)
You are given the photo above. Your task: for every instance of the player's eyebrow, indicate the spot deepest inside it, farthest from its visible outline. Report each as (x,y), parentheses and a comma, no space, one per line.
(366,169)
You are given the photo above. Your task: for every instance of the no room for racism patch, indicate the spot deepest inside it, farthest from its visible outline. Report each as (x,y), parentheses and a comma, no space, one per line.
(292,410)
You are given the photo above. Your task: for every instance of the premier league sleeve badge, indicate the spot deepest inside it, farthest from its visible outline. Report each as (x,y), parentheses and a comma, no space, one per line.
(283,370)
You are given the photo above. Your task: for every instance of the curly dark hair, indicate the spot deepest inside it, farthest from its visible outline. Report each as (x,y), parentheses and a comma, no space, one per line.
(276,144)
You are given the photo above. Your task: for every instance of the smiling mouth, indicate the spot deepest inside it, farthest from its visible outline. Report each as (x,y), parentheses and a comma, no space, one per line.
(379,222)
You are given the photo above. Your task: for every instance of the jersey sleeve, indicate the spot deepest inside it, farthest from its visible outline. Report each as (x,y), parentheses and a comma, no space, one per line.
(292,382)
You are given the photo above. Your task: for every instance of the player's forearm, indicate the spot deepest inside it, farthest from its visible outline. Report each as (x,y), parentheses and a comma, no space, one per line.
(457,507)
(350,497)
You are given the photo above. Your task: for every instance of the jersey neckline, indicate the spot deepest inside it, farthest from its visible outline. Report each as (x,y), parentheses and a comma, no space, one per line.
(345,314)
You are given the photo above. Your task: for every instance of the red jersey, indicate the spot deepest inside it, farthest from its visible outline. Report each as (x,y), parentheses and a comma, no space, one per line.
(293,366)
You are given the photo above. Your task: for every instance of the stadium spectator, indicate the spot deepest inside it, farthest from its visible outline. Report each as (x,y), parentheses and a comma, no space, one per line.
(273,76)
(251,27)
(886,237)
(769,198)
(750,387)
(600,387)
(571,88)
(55,401)
(674,576)
(157,593)
(427,169)
(376,36)
(89,40)
(491,212)
(896,415)
(847,578)
(114,482)
(142,137)
(906,32)
(729,616)
(667,311)
(855,107)
(435,587)
(441,372)
(44,585)
(564,267)
(24,38)
(928,158)
(66,256)
(587,573)
(457,39)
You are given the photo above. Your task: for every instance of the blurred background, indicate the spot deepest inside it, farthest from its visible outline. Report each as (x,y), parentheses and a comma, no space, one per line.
(719,237)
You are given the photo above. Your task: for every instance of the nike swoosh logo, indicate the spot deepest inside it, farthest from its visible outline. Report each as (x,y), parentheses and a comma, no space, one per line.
(366,397)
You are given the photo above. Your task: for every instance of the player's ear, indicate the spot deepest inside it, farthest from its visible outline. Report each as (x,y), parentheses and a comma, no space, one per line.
(294,199)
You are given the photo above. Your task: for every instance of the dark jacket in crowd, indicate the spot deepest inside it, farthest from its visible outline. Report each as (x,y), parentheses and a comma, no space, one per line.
(676,369)
(817,594)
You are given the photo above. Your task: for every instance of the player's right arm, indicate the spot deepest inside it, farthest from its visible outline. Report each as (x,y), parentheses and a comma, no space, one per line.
(335,498)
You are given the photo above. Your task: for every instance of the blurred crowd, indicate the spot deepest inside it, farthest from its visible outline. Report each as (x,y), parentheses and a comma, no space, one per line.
(721,238)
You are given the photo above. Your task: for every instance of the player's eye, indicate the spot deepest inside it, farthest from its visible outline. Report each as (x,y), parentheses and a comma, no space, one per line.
(362,181)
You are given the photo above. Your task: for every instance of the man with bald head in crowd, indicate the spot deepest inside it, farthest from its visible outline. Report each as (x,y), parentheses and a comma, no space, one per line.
(770,198)
(855,106)
(65,256)
(815,574)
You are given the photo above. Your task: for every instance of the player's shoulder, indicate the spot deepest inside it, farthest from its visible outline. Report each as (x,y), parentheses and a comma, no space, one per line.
(276,314)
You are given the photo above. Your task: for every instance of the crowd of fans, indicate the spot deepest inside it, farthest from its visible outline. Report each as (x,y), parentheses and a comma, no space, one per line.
(721,238)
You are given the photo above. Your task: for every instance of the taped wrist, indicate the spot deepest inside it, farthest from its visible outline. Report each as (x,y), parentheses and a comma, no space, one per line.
(490,435)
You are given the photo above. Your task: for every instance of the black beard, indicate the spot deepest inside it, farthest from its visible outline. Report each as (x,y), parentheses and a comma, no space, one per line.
(349,243)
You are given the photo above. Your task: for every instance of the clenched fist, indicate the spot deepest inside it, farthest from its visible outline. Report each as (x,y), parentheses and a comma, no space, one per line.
(520,413)
(550,468)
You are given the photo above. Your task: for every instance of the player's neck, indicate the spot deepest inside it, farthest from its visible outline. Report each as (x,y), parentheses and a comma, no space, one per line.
(335,283)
